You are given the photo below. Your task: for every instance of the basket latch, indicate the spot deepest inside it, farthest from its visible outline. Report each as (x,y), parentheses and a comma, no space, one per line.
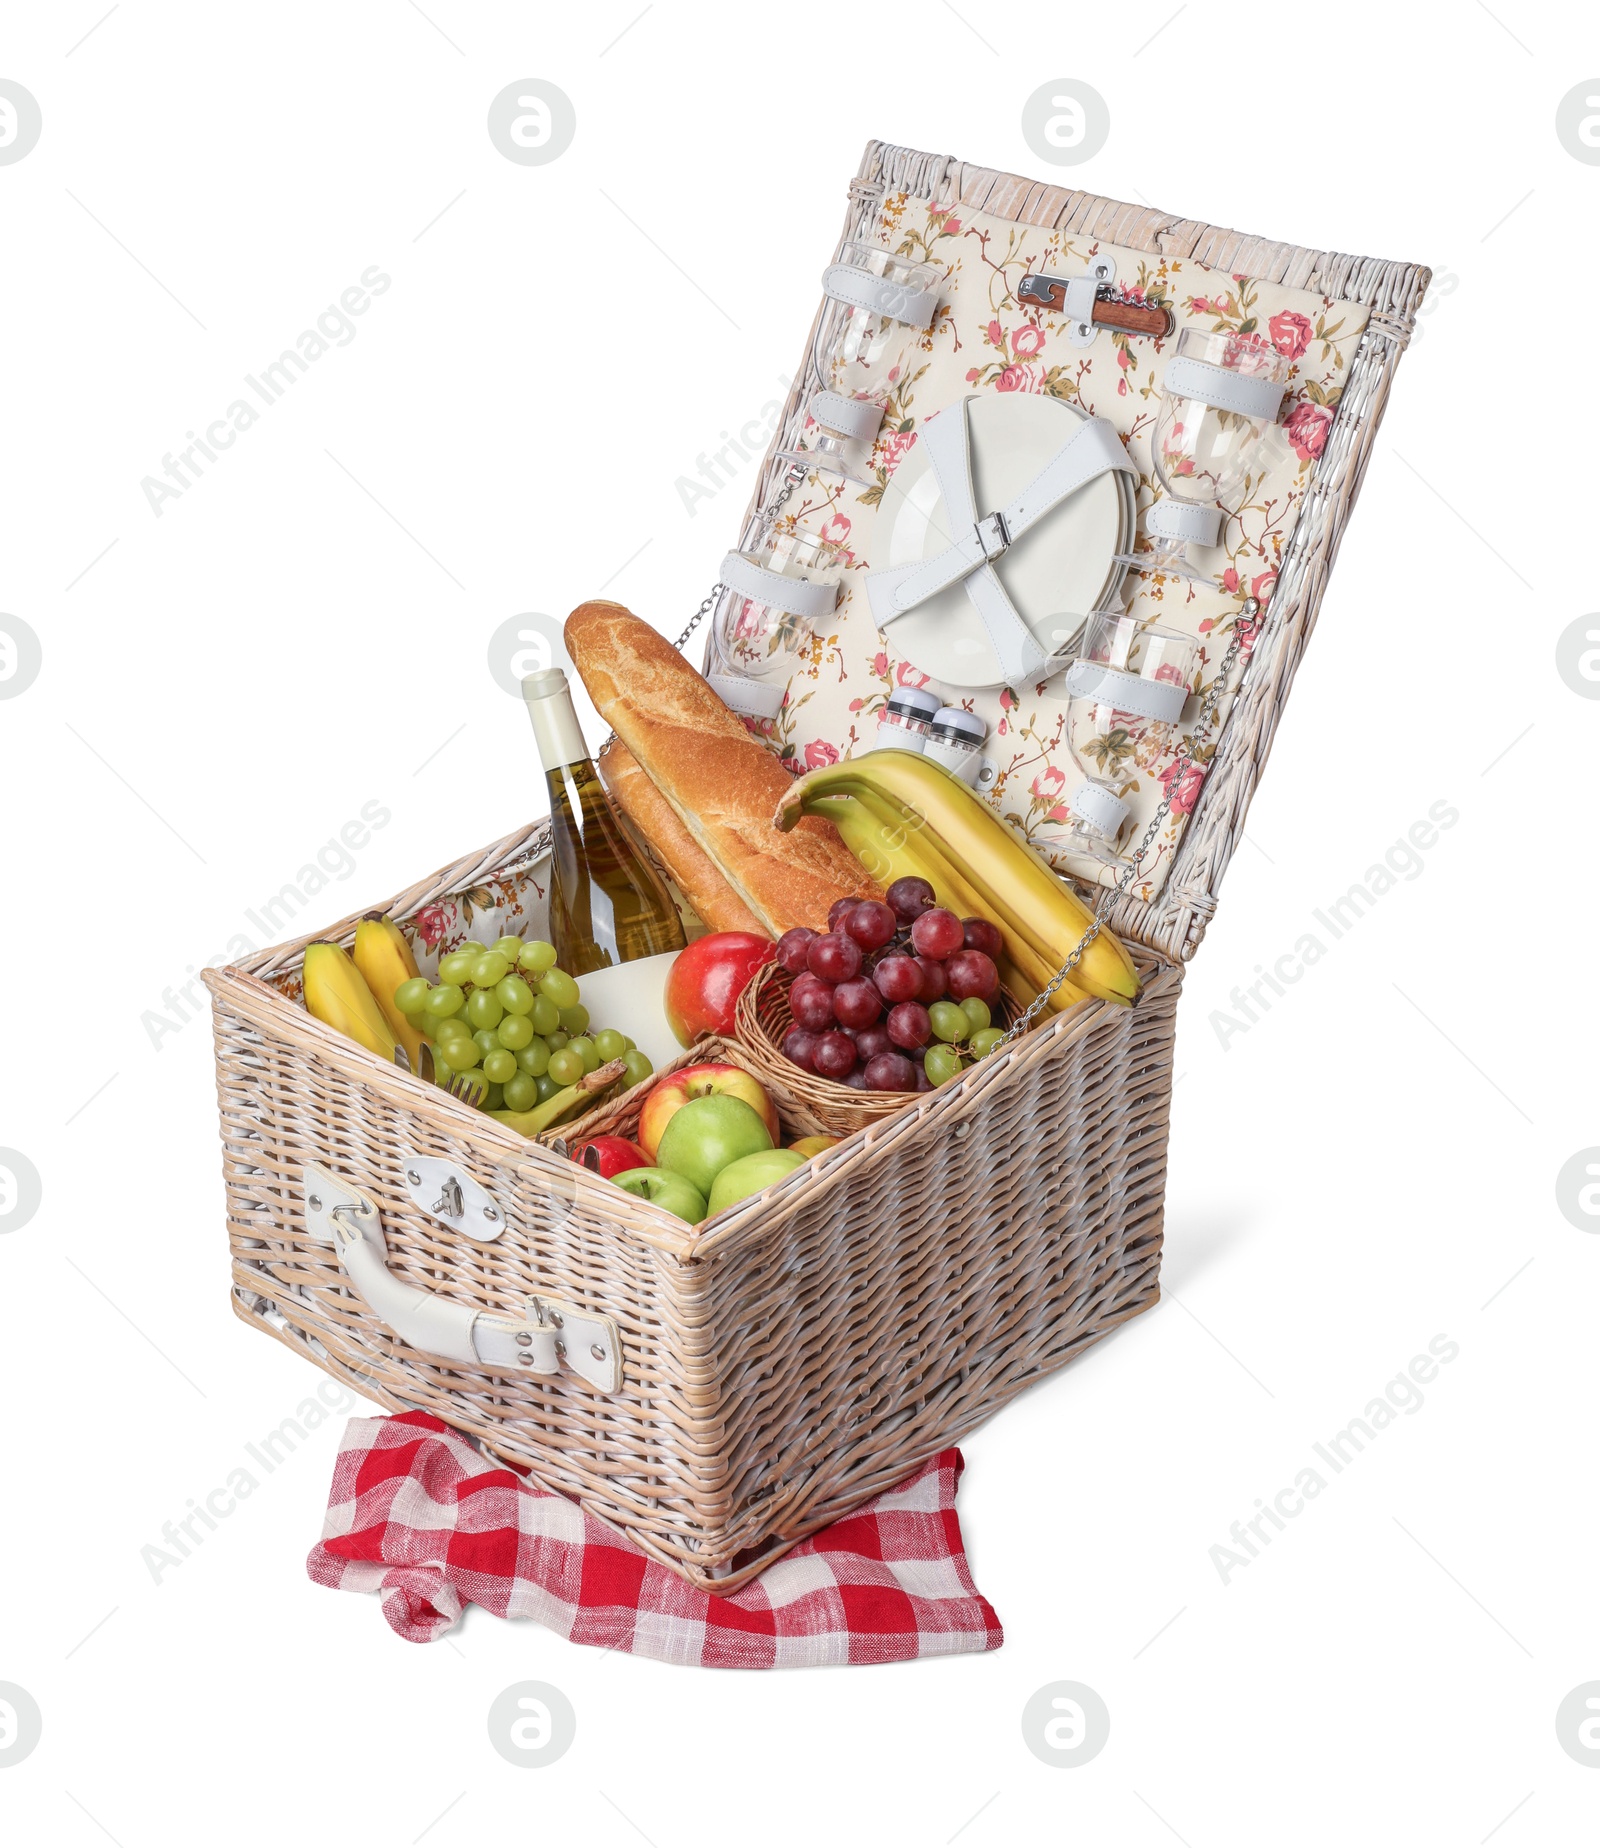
(446,1192)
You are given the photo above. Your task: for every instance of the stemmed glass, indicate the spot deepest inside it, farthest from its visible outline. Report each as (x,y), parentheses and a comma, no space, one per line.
(859,355)
(1127,687)
(763,634)
(1203,451)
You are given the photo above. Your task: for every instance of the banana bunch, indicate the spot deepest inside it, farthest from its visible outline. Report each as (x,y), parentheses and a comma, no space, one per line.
(337,993)
(354,993)
(901,813)
(383,956)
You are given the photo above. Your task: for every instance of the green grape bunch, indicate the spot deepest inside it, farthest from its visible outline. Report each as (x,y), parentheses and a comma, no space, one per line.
(504,1016)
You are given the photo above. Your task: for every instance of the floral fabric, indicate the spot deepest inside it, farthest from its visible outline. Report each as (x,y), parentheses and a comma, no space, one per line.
(984,339)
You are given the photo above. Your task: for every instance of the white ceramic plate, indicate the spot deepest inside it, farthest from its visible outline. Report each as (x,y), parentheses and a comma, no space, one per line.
(1055,574)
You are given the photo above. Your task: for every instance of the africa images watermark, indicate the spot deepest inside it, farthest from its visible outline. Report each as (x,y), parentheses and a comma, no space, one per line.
(183,1536)
(1401,1394)
(716,472)
(334,327)
(1402,861)
(335,861)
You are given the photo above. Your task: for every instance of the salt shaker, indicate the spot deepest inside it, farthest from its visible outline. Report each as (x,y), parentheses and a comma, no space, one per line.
(903,723)
(955,739)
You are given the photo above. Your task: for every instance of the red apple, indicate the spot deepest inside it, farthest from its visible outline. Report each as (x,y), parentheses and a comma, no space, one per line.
(677,1088)
(705,983)
(613,1155)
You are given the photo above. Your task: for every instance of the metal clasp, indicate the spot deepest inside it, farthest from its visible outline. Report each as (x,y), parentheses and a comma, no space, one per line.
(446,1192)
(993,536)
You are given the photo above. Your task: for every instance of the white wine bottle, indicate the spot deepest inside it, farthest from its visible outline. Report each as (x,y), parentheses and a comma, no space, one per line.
(608,904)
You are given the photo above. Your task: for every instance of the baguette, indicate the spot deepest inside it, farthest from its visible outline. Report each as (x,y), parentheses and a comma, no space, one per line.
(710,897)
(722,785)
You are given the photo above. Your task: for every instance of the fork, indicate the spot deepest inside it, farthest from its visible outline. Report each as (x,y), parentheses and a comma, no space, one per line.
(469,1091)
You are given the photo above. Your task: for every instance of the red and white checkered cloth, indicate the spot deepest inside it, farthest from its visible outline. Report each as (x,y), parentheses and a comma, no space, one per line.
(421,1517)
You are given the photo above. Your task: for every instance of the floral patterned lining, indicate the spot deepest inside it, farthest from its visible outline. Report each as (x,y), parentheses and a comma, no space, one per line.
(984,339)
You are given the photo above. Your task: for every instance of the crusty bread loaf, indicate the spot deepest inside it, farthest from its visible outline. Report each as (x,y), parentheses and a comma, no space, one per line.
(710,897)
(722,784)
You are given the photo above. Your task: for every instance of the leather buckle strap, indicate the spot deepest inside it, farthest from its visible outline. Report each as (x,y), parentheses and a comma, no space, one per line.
(1091,448)
(993,536)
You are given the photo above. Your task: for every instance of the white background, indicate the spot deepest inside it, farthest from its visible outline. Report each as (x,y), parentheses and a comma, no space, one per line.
(1370,1165)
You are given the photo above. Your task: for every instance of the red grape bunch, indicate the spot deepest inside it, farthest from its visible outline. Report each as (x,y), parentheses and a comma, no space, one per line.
(894,993)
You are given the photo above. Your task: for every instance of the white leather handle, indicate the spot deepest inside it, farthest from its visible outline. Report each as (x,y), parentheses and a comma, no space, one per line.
(548,1334)
(859,288)
(1223,388)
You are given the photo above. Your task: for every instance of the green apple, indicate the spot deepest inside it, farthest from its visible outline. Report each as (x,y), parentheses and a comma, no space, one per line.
(669,1191)
(749,1175)
(707,1133)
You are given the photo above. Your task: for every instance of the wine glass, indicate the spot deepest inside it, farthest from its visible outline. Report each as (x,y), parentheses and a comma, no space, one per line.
(766,626)
(867,343)
(1218,401)
(839,435)
(1126,689)
(859,355)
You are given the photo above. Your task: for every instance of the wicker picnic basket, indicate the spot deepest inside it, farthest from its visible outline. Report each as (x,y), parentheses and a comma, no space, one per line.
(719,1392)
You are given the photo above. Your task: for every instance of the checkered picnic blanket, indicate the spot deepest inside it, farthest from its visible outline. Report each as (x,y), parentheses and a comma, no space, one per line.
(420,1516)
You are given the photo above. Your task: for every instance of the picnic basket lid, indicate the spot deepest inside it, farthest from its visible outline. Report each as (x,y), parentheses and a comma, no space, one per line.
(1347,318)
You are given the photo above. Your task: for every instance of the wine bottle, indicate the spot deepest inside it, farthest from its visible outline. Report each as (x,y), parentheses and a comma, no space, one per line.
(608,904)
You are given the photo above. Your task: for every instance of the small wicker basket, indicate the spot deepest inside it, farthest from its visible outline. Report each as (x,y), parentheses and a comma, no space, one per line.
(760,1022)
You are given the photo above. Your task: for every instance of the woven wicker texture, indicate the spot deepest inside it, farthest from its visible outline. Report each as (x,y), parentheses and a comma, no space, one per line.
(784,1362)
(763,1019)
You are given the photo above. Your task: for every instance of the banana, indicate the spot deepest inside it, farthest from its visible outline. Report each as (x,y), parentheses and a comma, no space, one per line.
(336,993)
(1025,895)
(892,842)
(1020,885)
(384,958)
(587,1089)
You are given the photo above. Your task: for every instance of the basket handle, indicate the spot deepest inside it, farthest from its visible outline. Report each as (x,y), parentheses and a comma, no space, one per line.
(546,1335)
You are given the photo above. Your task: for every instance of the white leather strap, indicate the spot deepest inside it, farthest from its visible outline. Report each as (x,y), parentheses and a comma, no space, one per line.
(1160,700)
(1222,388)
(1079,296)
(1092,449)
(1176,519)
(856,417)
(799,596)
(1103,810)
(859,288)
(756,699)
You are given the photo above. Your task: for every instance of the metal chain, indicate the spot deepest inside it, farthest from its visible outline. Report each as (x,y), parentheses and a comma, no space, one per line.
(1196,740)
(791,478)
(701,614)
